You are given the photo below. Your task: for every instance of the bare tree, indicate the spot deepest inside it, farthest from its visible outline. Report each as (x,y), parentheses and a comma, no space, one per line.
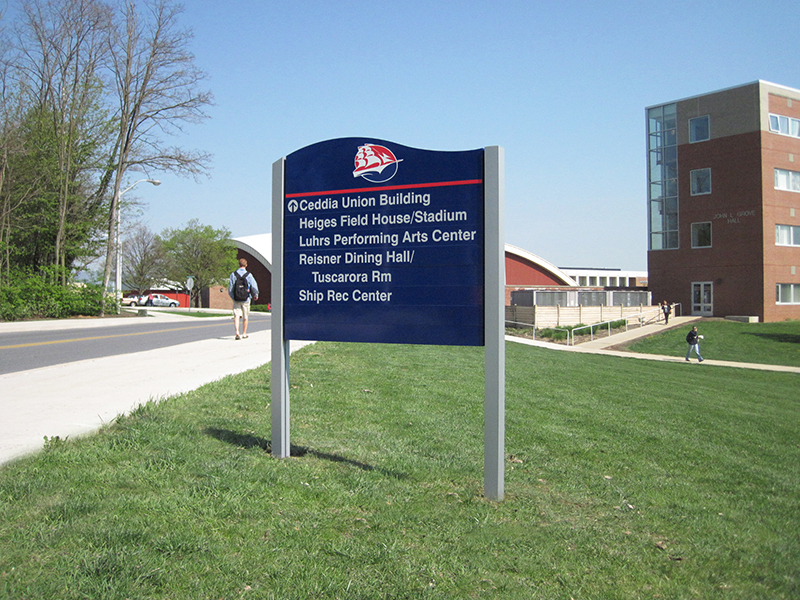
(157,86)
(144,259)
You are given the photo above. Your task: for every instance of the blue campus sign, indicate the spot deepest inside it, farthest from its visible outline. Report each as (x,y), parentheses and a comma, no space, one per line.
(383,243)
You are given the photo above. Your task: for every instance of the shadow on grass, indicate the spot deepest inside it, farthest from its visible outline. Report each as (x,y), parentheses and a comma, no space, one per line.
(786,338)
(247,441)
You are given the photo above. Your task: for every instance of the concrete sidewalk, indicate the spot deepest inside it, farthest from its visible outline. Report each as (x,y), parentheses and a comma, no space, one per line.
(77,398)
(605,346)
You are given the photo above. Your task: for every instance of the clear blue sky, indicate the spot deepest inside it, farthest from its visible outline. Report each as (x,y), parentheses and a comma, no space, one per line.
(561,85)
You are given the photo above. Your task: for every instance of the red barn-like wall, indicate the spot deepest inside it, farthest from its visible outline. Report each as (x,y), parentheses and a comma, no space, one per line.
(520,271)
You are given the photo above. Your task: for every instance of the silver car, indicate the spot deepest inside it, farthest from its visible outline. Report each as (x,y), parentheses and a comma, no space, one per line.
(159,300)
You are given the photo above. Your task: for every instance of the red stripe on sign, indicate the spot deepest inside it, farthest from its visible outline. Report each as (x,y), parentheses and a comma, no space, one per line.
(390,187)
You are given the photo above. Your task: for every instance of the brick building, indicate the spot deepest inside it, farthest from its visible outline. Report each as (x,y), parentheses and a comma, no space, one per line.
(724,202)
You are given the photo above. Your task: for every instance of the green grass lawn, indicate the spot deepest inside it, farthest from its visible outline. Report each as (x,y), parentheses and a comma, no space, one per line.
(626,479)
(763,343)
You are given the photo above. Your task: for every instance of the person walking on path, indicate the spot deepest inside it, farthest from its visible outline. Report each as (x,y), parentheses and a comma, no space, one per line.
(242,287)
(666,309)
(692,338)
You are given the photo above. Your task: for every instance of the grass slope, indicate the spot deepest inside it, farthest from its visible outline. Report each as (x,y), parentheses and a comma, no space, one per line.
(763,343)
(625,479)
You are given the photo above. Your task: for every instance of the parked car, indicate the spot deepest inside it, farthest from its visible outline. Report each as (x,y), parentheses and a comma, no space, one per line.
(134,300)
(159,300)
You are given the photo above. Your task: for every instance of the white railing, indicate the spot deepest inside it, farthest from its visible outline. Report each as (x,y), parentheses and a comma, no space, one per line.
(532,327)
(643,318)
(544,317)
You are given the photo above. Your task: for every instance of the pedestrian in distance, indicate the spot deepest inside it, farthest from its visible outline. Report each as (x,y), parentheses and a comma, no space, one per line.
(693,339)
(242,288)
(667,310)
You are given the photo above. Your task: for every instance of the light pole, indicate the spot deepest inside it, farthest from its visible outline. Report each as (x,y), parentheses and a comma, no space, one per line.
(118,277)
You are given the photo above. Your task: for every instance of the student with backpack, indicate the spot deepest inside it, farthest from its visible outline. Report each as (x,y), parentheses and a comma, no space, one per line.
(241,288)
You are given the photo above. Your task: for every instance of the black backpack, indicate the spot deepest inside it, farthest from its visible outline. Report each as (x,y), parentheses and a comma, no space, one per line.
(241,289)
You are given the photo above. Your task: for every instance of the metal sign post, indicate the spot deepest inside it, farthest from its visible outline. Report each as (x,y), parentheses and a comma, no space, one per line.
(189,286)
(495,349)
(280,345)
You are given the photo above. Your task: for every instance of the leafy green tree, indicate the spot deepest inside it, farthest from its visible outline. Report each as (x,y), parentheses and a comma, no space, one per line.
(53,220)
(28,184)
(201,251)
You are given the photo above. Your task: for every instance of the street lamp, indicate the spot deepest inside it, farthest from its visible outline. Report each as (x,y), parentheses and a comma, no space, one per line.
(118,278)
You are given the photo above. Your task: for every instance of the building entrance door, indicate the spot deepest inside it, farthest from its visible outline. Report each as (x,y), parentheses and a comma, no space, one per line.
(703,298)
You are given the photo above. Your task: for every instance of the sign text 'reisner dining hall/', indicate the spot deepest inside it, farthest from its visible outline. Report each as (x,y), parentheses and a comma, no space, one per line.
(383,243)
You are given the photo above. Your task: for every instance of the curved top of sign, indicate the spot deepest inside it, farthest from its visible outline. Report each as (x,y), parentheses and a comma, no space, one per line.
(355,163)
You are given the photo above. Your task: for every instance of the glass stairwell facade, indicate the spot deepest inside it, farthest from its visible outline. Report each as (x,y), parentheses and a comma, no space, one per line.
(662,174)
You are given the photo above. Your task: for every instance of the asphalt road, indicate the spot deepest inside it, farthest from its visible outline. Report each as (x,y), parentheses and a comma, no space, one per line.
(22,351)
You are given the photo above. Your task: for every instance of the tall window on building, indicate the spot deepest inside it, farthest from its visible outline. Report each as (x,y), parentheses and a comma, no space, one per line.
(701,235)
(699,129)
(787,293)
(662,169)
(700,180)
(787,180)
(787,235)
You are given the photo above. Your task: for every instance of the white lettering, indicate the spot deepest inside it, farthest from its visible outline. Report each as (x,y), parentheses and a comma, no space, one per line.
(363,258)
(407,198)
(379,219)
(420,216)
(319,259)
(360,296)
(359,202)
(417,236)
(321,204)
(358,239)
(310,242)
(339,277)
(315,223)
(404,256)
(453,236)
(311,296)
(354,220)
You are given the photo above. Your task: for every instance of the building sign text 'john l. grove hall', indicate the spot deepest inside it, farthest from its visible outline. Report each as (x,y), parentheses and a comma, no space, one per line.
(383,243)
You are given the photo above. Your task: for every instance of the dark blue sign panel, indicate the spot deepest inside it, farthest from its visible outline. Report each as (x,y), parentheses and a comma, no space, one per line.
(383,243)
